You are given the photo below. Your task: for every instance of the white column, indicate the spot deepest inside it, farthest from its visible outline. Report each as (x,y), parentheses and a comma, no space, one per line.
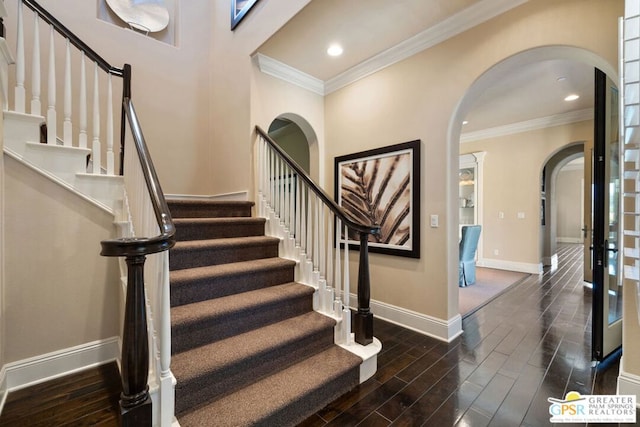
(67,132)
(96,150)
(110,155)
(36,104)
(52,119)
(82,118)
(20,63)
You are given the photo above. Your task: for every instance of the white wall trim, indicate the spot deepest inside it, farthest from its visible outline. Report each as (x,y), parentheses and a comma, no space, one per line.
(3,387)
(460,22)
(522,267)
(569,240)
(628,384)
(470,17)
(289,74)
(529,125)
(35,370)
(442,330)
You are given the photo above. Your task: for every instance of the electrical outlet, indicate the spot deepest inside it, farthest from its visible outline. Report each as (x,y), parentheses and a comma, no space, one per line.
(501,215)
(496,252)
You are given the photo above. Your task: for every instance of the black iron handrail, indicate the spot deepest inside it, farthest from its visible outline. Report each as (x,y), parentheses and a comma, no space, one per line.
(363,318)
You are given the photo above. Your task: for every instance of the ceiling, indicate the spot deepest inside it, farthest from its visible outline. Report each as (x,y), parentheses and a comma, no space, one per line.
(377,33)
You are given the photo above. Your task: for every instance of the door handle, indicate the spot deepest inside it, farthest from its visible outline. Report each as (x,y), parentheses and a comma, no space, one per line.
(608,249)
(585,230)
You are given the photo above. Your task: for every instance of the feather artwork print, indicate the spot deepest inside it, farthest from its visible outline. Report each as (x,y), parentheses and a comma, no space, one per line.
(378,191)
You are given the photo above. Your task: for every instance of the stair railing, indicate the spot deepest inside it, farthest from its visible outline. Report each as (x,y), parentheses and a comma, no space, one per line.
(74,79)
(314,230)
(145,197)
(145,212)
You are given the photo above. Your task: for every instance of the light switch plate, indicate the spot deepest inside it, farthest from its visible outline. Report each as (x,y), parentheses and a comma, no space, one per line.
(434,221)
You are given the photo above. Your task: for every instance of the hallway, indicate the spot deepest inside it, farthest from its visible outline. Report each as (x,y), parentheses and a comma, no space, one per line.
(531,343)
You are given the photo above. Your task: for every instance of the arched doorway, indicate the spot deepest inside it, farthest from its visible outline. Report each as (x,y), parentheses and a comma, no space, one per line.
(490,78)
(297,138)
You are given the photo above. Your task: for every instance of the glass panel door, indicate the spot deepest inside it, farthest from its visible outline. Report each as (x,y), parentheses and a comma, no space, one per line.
(607,278)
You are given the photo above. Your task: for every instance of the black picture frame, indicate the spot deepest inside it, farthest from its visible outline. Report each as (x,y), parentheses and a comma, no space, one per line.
(382,186)
(239,8)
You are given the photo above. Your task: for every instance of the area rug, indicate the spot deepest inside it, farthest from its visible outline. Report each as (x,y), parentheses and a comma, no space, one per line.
(489,284)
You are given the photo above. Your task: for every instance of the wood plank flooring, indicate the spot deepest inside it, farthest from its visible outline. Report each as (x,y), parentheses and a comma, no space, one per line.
(87,398)
(531,343)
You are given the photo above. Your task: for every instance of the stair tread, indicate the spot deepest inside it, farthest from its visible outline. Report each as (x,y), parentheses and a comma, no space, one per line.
(219,220)
(199,202)
(275,394)
(210,271)
(220,355)
(223,306)
(224,242)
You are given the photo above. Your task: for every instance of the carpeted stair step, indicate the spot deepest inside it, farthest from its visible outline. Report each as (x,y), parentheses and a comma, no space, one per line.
(194,325)
(285,398)
(198,284)
(195,253)
(211,371)
(217,228)
(209,208)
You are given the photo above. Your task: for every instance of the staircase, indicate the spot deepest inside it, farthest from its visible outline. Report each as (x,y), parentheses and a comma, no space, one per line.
(247,347)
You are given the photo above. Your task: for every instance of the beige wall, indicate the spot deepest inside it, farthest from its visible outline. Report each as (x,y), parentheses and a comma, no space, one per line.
(59,292)
(424,97)
(512,172)
(569,200)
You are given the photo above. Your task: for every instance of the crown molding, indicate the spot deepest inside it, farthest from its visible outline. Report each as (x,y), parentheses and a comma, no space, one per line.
(529,125)
(289,74)
(450,27)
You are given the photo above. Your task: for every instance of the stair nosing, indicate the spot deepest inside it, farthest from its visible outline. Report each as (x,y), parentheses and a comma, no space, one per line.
(235,242)
(181,277)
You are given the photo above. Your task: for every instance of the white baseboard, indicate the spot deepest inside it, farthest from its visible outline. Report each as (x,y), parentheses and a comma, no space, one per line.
(237,196)
(35,370)
(3,388)
(628,384)
(437,328)
(522,267)
(569,240)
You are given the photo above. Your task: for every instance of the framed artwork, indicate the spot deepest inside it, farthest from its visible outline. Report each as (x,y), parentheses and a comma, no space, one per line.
(239,9)
(382,186)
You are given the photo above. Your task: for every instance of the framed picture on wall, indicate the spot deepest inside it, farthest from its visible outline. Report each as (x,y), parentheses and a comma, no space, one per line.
(239,9)
(382,186)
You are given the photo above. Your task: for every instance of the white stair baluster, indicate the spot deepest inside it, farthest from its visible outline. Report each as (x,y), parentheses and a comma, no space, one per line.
(20,63)
(96,150)
(52,120)
(346,313)
(82,113)
(36,104)
(110,155)
(67,128)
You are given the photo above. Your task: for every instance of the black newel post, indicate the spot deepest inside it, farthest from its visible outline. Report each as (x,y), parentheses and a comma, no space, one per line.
(363,321)
(135,402)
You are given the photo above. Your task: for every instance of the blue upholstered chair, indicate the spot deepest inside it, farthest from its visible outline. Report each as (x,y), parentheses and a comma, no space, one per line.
(468,247)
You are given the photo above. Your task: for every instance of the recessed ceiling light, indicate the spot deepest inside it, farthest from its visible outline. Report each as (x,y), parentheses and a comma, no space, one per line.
(335,50)
(465,122)
(561,79)
(572,97)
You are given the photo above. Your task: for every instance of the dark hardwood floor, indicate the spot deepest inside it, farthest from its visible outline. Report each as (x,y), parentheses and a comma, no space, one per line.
(531,343)
(87,398)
